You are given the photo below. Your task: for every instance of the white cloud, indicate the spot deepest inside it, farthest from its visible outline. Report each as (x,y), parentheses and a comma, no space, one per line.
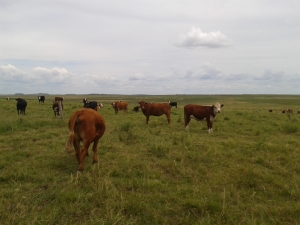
(137,76)
(195,38)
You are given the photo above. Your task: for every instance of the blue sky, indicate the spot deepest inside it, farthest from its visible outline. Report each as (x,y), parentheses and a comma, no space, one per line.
(150,47)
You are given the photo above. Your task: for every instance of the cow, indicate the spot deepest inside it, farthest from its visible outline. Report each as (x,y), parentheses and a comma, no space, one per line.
(298,112)
(283,111)
(155,109)
(101,105)
(56,99)
(88,126)
(55,108)
(289,111)
(7,98)
(173,104)
(41,99)
(92,105)
(119,106)
(270,110)
(200,112)
(84,100)
(21,106)
(136,108)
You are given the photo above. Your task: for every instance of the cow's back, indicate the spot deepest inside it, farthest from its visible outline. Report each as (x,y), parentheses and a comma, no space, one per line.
(157,109)
(121,105)
(198,111)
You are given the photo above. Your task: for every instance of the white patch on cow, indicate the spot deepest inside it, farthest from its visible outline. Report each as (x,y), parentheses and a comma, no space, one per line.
(187,128)
(212,118)
(210,130)
(193,117)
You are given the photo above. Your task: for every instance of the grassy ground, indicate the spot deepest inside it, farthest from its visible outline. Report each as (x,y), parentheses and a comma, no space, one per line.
(245,172)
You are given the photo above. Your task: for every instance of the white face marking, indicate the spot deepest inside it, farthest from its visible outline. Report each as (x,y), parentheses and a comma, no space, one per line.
(217,108)
(210,130)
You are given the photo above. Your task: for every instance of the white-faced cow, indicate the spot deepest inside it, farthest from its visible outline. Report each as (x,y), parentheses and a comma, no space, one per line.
(41,99)
(200,112)
(92,105)
(56,99)
(21,106)
(88,126)
(119,106)
(155,109)
(173,104)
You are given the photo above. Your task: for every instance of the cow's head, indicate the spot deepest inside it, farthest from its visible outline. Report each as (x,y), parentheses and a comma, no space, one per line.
(142,104)
(113,104)
(217,107)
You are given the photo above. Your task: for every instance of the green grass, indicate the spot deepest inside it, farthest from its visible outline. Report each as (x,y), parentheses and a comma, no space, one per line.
(246,172)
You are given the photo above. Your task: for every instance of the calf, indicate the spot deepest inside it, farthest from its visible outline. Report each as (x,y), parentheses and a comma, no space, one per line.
(41,99)
(55,108)
(92,105)
(21,106)
(155,109)
(136,108)
(120,106)
(173,104)
(200,112)
(88,126)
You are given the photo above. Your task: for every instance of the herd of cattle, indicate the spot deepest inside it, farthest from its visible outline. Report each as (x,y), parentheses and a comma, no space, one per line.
(88,126)
(290,111)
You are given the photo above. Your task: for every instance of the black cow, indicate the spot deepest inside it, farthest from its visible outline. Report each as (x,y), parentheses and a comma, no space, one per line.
(92,105)
(21,106)
(41,99)
(173,104)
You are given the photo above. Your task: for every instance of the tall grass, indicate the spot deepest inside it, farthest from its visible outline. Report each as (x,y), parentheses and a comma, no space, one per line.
(245,172)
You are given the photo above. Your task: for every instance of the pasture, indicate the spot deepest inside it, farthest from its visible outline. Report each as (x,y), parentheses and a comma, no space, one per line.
(246,172)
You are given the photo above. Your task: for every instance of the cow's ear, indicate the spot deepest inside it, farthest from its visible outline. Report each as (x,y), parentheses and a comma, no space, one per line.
(222,105)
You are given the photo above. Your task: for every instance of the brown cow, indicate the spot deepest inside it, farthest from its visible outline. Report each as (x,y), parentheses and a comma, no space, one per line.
(298,112)
(136,108)
(200,112)
(283,111)
(120,106)
(55,108)
(155,109)
(88,126)
(56,99)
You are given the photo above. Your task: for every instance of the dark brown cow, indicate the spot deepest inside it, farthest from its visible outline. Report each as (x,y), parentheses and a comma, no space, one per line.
(136,108)
(298,112)
(55,108)
(289,111)
(88,126)
(270,110)
(200,112)
(56,99)
(120,106)
(155,109)
(283,111)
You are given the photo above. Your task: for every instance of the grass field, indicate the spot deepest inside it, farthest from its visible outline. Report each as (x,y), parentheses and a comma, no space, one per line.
(246,172)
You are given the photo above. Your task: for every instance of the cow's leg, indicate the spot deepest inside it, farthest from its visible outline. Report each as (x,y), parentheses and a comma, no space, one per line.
(147,119)
(95,159)
(187,120)
(168,117)
(82,154)
(76,144)
(209,125)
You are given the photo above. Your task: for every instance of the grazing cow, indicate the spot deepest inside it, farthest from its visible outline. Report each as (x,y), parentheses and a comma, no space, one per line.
(173,104)
(283,111)
(289,111)
(41,99)
(270,110)
(120,106)
(21,106)
(88,126)
(298,112)
(155,109)
(101,105)
(136,108)
(92,105)
(200,112)
(55,108)
(56,99)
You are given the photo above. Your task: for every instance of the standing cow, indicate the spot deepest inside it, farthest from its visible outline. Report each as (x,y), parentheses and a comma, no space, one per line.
(120,106)
(55,108)
(155,109)
(92,105)
(21,106)
(200,112)
(41,99)
(173,104)
(88,126)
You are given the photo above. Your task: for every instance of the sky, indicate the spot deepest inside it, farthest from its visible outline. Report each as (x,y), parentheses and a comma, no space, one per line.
(155,47)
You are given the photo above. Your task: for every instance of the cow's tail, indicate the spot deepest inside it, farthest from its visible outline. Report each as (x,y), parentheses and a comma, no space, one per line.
(72,123)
